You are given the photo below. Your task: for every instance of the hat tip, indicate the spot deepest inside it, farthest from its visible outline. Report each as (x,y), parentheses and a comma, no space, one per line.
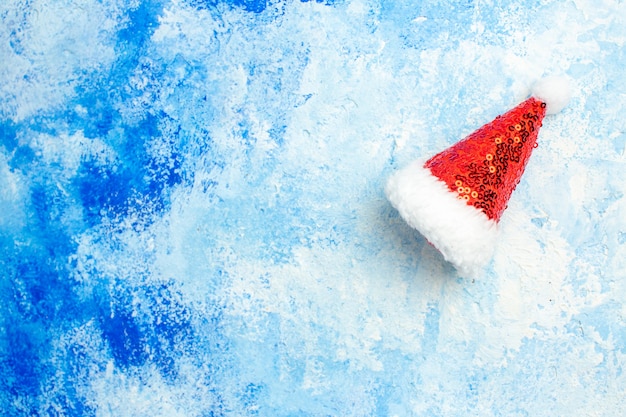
(554,91)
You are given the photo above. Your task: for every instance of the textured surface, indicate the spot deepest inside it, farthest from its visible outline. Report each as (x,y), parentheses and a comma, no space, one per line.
(193,219)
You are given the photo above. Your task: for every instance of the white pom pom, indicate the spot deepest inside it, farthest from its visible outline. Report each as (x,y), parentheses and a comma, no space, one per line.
(554,91)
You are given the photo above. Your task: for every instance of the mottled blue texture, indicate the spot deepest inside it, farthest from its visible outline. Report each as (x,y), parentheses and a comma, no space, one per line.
(193,218)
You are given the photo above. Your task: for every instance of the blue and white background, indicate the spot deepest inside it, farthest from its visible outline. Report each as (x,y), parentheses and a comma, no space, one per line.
(193,223)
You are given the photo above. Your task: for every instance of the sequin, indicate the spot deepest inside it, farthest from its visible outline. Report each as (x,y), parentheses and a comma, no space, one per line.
(506,144)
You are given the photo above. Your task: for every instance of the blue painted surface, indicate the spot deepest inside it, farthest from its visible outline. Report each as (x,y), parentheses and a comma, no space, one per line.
(193,219)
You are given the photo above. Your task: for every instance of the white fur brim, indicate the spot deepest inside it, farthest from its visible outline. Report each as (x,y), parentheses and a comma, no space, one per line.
(463,234)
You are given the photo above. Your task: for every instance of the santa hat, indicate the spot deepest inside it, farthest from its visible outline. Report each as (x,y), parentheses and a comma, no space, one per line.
(455,199)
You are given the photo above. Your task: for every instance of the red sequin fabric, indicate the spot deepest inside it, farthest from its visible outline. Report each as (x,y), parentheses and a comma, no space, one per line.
(485,167)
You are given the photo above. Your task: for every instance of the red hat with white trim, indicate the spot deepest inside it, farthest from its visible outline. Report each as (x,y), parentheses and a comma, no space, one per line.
(455,199)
